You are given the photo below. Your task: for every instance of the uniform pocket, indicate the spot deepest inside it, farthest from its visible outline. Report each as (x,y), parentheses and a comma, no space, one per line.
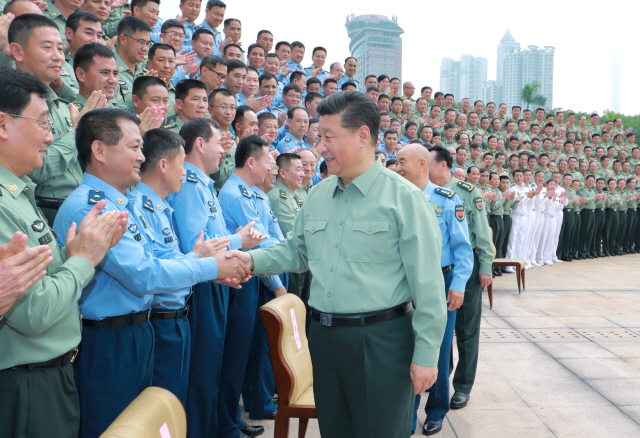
(314,237)
(369,241)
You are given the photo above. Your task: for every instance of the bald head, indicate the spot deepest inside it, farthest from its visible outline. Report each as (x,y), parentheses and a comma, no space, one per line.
(21,7)
(413,163)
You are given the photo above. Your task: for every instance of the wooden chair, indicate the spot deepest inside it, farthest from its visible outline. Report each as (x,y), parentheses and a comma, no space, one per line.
(285,319)
(155,413)
(517,264)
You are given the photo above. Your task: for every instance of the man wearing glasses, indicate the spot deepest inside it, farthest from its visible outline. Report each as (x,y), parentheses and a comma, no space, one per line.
(133,44)
(213,71)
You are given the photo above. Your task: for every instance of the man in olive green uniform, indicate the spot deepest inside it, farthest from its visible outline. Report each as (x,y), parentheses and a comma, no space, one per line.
(588,219)
(632,206)
(39,333)
(469,315)
(286,204)
(496,213)
(133,43)
(372,243)
(599,216)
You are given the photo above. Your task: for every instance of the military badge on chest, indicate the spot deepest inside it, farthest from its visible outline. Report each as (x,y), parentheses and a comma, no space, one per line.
(38,226)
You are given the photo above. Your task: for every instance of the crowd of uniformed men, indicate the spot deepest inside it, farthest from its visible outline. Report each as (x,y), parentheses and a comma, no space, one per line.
(150,151)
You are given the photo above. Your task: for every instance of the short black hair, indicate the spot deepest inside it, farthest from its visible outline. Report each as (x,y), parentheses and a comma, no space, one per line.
(296,76)
(235,64)
(240,111)
(131,25)
(250,146)
(355,110)
(201,31)
(284,160)
(442,154)
(266,77)
(100,125)
(215,4)
(16,88)
(142,3)
(214,94)
(168,24)
(291,111)
(330,81)
(159,143)
(184,86)
(198,127)
(211,61)
(85,56)
(142,83)
(311,96)
(23,26)
(265,116)
(159,46)
(73,22)
(256,45)
(289,87)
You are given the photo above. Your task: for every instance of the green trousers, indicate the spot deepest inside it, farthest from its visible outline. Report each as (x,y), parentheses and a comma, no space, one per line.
(566,233)
(632,223)
(596,243)
(41,402)
(361,379)
(501,251)
(622,229)
(468,332)
(497,226)
(575,235)
(610,231)
(587,226)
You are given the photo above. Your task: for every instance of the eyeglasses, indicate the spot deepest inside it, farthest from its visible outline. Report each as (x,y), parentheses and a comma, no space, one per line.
(175,34)
(48,125)
(225,107)
(221,76)
(140,41)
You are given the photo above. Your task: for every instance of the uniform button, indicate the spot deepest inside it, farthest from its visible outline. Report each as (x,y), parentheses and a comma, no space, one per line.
(331,269)
(369,229)
(73,171)
(313,229)
(346,200)
(336,245)
(341,222)
(328,294)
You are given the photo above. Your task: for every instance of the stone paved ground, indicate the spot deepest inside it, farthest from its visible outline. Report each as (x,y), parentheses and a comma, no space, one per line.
(560,360)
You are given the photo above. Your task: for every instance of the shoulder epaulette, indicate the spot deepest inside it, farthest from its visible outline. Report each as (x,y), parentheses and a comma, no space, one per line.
(244,192)
(468,187)
(283,194)
(146,203)
(191,176)
(95,196)
(444,192)
(169,126)
(259,196)
(78,105)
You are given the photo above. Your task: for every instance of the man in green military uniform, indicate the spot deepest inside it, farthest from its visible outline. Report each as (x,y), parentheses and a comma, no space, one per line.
(372,243)
(96,70)
(58,12)
(286,205)
(448,140)
(469,315)
(496,214)
(191,102)
(133,44)
(62,171)
(588,218)
(39,333)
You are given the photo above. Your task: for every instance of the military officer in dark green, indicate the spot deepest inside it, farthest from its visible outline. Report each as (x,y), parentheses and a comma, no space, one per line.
(372,243)
(632,206)
(599,217)
(588,218)
(62,171)
(133,44)
(469,315)
(95,67)
(39,333)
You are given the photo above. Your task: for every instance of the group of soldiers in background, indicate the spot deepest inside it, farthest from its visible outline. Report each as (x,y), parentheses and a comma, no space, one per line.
(203,107)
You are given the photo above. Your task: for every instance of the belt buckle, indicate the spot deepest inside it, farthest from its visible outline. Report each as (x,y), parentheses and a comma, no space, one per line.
(74,355)
(325,319)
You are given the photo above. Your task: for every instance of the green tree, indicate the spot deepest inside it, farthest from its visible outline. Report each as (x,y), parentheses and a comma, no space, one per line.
(530,95)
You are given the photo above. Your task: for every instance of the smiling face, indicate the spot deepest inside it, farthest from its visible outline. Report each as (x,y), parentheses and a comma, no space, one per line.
(175,171)
(122,161)
(43,56)
(102,75)
(164,62)
(102,8)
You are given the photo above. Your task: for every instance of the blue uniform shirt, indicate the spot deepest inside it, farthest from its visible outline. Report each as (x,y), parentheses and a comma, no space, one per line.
(155,32)
(197,209)
(217,38)
(267,217)
(289,143)
(290,65)
(189,29)
(159,217)
(130,272)
(322,75)
(389,156)
(344,79)
(240,100)
(456,248)
(239,206)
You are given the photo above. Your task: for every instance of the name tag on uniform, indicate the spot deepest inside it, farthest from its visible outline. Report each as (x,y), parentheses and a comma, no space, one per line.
(168,239)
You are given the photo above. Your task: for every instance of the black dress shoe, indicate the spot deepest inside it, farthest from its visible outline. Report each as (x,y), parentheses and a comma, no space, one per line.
(578,258)
(271,416)
(252,431)
(498,274)
(459,400)
(431,427)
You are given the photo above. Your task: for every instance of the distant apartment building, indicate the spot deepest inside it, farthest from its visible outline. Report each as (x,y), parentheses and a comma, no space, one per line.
(464,78)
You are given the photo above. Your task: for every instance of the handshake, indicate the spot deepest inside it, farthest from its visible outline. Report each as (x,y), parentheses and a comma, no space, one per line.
(234,267)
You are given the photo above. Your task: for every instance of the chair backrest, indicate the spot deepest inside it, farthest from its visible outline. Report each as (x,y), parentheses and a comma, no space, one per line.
(285,319)
(155,413)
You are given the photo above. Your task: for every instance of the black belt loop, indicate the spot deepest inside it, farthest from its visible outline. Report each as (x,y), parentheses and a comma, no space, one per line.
(446,269)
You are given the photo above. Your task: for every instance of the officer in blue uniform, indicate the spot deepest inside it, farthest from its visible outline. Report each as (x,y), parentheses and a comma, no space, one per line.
(197,209)
(115,362)
(457,264)
(239,206)
(294,138)
(259,375)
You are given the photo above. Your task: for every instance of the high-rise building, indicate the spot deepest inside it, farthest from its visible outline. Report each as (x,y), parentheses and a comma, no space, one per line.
(464,78)
(376,45)
(517,68)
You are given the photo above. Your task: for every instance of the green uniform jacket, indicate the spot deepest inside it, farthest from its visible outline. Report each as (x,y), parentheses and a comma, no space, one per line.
(227,167)
(173,123)
(285,206)
(590,194)
(53,13)
(62,172)
(44,323)
(124,91)
(371,245)
(479,231)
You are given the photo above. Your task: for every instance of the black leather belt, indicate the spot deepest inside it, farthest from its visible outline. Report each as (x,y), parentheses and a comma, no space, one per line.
(587,209)
(622,211)
(49,203)
(496,215)
(66,358)
(119,321)
(446,269)
(568,209)
(169,314)
(328,320)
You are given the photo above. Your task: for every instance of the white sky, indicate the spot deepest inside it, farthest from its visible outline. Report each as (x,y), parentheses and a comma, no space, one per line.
(583,34)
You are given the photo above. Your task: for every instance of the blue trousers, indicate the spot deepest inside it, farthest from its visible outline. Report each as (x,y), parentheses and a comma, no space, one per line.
(438,401)
(243,306)
(172,356)
(207,320)
(114,365)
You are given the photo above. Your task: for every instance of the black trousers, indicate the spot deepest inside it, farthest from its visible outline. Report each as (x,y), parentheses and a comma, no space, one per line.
(501,252)
(610,231)
(596,243)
